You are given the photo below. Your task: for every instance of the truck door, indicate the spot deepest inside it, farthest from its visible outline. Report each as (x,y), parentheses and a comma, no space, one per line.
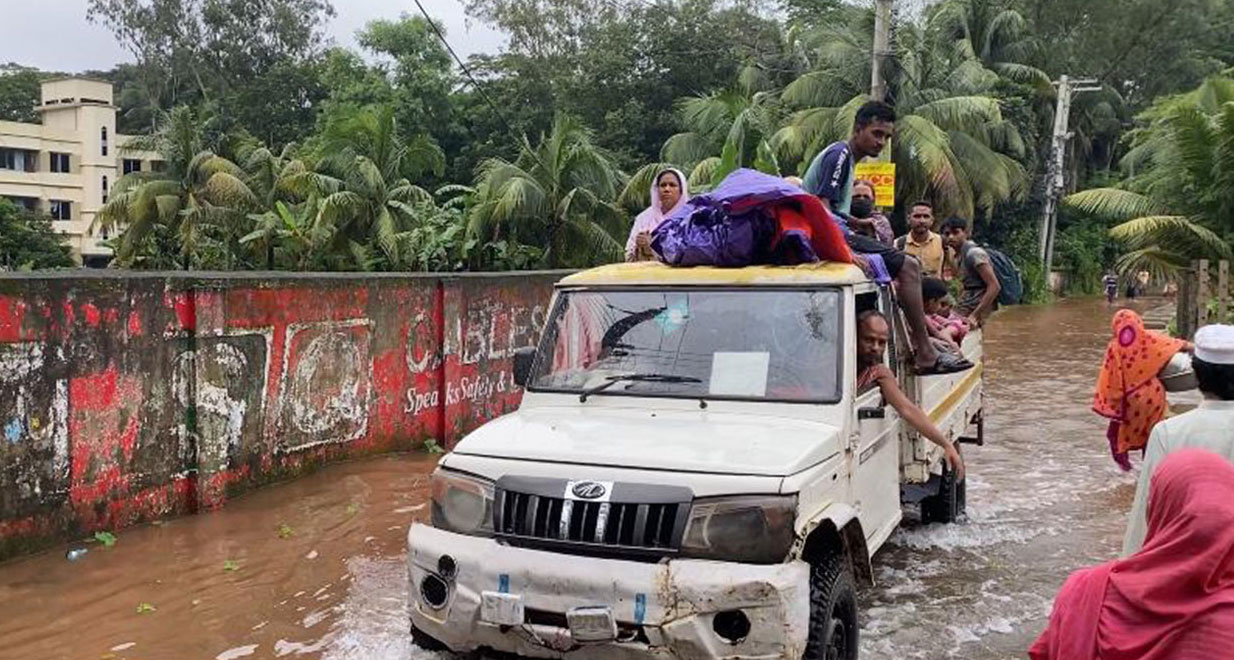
(876,450)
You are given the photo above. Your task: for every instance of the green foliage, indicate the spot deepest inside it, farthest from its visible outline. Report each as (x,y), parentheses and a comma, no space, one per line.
(190,215)
(255,60)
(952,145)
(285,152)
(106,538)
(1081,249)
(558,193)
(1177,203)
(27,242)
(19,93)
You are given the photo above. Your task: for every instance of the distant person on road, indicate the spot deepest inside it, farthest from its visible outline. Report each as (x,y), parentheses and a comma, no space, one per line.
(922,242)
(1111,287)
(872,334)
(1171,600)
(1129,394)
(830,177)
(668,193)
(979,297)
(865,218)
(1210,426)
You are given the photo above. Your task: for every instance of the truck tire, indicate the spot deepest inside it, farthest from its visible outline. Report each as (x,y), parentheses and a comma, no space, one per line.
(833,610)
(421,640)
(950,502)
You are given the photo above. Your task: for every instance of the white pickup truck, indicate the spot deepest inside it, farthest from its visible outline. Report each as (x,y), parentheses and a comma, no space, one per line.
(691,474)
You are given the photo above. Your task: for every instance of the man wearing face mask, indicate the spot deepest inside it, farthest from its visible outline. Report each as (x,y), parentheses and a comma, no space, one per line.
(864,219)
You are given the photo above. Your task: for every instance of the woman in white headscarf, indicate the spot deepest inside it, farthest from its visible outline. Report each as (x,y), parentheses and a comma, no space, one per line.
(668,193)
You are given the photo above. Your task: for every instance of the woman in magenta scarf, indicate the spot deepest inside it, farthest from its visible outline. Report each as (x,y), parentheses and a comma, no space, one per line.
(1172,599)
(668,193)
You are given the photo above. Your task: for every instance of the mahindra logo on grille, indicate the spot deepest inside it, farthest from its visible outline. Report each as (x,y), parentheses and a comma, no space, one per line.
(588,490)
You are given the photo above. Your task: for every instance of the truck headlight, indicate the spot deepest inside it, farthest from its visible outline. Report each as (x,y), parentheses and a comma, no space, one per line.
(462,503)
(752,530)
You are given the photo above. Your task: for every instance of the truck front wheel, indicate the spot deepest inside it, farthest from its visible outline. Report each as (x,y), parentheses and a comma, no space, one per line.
(833,610)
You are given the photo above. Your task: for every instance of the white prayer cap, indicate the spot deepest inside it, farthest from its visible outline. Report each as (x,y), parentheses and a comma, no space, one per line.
(1214,344)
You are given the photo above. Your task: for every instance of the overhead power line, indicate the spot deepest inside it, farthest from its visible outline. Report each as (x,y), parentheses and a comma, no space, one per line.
(474,82)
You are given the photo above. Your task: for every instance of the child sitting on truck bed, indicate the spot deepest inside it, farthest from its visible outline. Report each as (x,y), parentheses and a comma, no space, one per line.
(944,323)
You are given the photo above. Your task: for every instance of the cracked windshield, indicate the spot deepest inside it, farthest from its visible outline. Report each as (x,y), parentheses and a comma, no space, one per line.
(590,329)
(774,345)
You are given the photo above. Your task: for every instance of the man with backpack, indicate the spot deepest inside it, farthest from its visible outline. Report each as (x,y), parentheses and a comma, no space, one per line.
(981,288)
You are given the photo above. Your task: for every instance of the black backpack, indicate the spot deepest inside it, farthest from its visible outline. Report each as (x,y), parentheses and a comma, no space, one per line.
(1009,277)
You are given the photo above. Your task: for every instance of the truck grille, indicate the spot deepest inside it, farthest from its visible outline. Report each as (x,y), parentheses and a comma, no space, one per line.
(537,514)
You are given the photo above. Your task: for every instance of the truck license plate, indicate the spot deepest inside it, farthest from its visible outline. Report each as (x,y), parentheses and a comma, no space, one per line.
(592,624)
(501,609)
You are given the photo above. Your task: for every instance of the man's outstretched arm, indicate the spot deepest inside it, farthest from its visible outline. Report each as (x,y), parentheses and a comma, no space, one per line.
(917,418)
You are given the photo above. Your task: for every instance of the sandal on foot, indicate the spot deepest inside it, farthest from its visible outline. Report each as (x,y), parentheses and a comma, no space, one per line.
(947,363)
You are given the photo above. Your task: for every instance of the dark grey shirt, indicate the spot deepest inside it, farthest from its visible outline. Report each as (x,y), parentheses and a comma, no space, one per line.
(971,256)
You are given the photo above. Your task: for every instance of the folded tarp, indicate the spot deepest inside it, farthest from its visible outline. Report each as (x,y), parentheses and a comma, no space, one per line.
(750,218)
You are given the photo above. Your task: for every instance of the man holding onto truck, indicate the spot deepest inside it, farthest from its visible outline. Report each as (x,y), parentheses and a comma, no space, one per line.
(830,177)
(872,333)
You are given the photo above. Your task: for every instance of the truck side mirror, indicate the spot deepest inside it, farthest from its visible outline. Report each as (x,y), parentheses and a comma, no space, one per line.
(524,358)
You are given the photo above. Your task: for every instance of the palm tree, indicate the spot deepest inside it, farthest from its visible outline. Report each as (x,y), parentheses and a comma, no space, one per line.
(952,143)
(193,212)
(361,189)
(558,194)
(1178,202)
(725,130)
(993,33)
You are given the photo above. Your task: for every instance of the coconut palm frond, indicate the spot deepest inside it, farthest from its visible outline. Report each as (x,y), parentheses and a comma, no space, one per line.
(1113,204)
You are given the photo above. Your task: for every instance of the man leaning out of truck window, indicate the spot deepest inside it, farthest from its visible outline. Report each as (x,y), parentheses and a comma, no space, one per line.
(872,333)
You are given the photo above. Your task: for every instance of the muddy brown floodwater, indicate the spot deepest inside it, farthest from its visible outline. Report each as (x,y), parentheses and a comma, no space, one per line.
(314,568)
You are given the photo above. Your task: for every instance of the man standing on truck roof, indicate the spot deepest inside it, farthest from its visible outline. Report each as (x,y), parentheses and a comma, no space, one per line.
(981,287)
(872,333)
(830,177)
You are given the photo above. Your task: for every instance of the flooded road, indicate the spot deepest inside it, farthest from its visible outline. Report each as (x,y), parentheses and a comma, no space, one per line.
(313,568)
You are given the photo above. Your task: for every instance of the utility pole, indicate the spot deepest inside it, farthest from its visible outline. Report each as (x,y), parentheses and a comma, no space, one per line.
(1055,179)
(882,49)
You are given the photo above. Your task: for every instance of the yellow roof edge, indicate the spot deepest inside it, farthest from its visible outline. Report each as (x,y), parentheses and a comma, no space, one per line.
(655,273)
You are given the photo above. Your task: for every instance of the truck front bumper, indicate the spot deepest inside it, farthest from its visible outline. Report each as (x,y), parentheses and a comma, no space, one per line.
(663,610)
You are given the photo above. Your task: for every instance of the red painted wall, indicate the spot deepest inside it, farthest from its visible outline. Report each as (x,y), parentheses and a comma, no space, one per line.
(126,397)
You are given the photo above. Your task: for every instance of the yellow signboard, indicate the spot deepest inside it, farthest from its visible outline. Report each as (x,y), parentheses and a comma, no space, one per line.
(883,176)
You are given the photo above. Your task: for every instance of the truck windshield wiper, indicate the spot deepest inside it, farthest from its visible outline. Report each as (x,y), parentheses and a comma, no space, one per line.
(635,378)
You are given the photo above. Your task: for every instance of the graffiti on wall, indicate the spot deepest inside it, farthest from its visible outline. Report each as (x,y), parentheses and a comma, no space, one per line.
(33,423)
(138,397)
(325,386)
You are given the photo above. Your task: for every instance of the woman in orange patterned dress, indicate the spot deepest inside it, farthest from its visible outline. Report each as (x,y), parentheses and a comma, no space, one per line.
(1128,391)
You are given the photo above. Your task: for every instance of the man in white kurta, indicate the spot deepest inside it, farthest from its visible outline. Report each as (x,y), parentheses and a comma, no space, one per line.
(1210,426)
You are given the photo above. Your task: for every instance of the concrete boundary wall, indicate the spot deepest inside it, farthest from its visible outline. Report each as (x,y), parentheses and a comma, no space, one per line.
(127,397)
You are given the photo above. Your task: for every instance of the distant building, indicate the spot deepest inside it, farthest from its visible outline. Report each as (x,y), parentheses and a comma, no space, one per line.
(66,166)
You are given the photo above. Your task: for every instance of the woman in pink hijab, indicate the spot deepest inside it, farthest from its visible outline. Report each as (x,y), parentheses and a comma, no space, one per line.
(1172,599)
(668,194)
